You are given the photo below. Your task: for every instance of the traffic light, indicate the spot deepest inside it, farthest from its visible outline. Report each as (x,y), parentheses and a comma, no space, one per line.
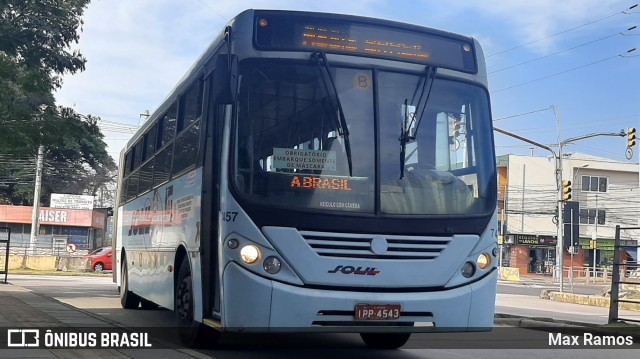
(631,137)
(571,220)
(566,190)
(456,127)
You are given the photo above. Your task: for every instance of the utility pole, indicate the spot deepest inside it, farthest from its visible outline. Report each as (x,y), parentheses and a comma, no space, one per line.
(595,240)
(558,173)
(559,226)
(35,222)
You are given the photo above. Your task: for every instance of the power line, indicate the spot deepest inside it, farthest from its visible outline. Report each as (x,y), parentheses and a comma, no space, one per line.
(562,51)
(582,125)
(560,73)
(117,127)
(562,32)
(212,10)
(522,114)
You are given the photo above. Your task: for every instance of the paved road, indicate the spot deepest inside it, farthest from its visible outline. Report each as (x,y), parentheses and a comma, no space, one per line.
(98,297)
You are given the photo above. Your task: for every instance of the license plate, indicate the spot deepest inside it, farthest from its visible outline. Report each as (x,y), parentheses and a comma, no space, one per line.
(377,311)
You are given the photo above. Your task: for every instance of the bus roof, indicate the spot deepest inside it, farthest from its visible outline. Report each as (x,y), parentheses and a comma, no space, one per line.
(247,15)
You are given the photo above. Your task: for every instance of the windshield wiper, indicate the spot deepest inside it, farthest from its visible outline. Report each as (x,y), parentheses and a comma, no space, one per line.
(320,58)
(404,136)
(406,124)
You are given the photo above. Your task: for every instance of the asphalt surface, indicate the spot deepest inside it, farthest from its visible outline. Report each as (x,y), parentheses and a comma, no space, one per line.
(21,307)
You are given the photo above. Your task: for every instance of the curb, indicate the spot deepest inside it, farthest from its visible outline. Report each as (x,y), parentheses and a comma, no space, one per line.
(544,324)
(584,299)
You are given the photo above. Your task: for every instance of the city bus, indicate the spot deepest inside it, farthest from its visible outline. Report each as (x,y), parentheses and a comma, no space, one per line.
(316,172)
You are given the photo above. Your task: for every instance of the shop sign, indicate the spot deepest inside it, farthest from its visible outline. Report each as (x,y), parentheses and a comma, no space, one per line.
(535,240)
(608,244)
(71,201)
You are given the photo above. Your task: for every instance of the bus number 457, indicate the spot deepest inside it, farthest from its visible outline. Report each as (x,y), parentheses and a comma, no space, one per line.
(229,216)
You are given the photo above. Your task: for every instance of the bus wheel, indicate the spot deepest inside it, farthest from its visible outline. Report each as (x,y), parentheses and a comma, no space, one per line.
(128,299)
(192,333)
(385,340)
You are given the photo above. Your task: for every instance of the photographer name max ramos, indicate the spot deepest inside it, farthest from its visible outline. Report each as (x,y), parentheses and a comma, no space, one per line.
(589,339)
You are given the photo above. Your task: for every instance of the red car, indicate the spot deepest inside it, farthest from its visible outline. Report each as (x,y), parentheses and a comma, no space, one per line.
(101,259)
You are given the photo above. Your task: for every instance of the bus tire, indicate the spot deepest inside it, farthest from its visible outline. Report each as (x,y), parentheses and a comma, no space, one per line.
(385,340)
(192,333)
(128,299)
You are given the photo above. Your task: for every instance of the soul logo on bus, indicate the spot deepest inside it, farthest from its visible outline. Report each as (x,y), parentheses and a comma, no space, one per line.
(355,270)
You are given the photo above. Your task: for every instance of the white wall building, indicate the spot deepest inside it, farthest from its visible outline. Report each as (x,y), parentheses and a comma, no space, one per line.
(608,193)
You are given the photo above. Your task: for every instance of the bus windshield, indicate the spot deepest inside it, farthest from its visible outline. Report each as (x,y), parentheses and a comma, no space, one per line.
(289,147)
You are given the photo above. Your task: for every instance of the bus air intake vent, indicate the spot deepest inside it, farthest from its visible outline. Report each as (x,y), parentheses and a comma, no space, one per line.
(370,246)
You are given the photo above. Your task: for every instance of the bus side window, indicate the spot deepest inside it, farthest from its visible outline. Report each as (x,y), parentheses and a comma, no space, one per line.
(168,132)
(186,148)
(145,181)
(132,185)
(127,163)
(190,106)
(137,155)
(162,166)
(151,141)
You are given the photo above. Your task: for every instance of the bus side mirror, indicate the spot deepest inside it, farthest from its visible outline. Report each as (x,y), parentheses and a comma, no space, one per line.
(225,79)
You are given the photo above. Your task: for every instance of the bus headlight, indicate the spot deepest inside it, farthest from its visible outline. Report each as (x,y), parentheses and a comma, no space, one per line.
(468,269)
(484,260)
(271,265)
(249,254)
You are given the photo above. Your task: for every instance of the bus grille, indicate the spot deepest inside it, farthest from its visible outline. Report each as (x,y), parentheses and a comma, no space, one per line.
(375,247)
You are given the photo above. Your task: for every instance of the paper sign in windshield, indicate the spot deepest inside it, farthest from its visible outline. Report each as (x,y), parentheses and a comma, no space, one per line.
(286,158)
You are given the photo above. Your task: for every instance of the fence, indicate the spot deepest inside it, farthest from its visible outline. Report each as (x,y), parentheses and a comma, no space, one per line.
(46,253)
(5,239)
(49,245)
(618,280)
(584,273)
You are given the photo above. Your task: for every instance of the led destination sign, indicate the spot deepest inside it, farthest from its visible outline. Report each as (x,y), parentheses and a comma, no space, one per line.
(335,39)
(338,35)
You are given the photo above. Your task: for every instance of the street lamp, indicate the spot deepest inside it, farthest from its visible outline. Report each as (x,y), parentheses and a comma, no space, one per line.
(560,254)
(558,172)
(595,239)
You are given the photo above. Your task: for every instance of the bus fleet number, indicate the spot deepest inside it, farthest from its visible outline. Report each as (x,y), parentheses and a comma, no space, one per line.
(229,216)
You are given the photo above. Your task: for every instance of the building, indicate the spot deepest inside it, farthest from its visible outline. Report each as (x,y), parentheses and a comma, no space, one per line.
(58,227)
(606,191)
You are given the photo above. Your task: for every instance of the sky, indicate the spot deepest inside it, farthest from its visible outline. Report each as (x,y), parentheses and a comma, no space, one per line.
(557,69)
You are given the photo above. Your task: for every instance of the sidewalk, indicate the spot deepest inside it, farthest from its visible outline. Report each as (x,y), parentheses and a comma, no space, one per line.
(21,308)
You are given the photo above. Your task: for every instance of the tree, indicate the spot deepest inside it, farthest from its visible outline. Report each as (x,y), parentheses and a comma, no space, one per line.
(34,53)
(35,39)
(78,164)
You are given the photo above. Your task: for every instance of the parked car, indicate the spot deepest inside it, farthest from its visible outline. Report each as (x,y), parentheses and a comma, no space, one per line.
(101,259)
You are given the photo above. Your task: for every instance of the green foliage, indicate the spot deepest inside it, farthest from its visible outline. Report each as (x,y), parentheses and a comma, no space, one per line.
(37,34)
(35,39)
(78,162)
(34,52)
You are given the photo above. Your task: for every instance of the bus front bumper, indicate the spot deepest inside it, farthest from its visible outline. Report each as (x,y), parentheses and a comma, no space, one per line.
(255,304)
